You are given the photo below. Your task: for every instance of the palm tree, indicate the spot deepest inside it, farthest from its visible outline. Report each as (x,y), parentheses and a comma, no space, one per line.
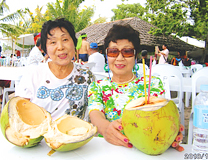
(6,28)
(69,9)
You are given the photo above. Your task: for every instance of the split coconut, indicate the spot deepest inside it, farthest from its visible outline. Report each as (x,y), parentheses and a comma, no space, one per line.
(153,127)
(24,124)
(69,133)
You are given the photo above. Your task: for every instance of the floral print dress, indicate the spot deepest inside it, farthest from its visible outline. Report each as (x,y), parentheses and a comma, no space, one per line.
(111,98)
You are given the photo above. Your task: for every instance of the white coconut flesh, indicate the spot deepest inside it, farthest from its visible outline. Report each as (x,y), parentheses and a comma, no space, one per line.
(68,129)
(154,104)
(27,121)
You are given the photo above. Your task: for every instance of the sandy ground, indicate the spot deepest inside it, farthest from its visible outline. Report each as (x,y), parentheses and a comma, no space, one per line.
(187,111)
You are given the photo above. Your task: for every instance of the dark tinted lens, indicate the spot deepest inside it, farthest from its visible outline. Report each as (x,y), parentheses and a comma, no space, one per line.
(112,52)
(127,52)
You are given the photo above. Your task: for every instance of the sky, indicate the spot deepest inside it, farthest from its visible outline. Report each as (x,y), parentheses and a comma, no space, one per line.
(103,9)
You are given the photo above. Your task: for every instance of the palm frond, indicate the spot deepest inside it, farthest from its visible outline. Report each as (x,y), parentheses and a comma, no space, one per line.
(11,30)
(12,16)
(3,7)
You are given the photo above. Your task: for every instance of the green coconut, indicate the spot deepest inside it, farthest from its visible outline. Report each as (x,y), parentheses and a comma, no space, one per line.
(23,123)
(153,127)
(69,133)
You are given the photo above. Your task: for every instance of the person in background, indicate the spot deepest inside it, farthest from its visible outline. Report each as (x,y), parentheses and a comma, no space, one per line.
(163,54)
(18,54)
(109,96)
(144,56)
(185,60)
(97,58)
(0,50)
(60,86)
(13,58)
(35,55)
(83,48)
(36,37)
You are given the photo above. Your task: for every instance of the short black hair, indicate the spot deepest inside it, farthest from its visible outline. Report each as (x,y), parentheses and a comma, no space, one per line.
(119,32)
(165,45)
(182,52)
(83,34)
(60,23)
(38,42)
(144,53)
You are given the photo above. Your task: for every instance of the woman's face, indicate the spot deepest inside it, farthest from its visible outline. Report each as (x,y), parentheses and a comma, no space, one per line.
(121,66)
(60,46)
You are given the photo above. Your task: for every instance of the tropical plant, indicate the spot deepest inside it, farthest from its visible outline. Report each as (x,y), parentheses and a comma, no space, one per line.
(5,27)
(69,9)
(129,10)
(100,20)
(199,14)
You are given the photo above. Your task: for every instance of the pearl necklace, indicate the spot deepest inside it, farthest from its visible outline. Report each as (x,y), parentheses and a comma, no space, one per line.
(126,81)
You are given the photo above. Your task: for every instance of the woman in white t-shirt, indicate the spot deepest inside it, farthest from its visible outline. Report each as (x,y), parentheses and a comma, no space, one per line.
(60,86)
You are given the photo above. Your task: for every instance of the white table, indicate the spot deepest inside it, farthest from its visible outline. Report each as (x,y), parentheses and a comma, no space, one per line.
(96,149)
(11,73)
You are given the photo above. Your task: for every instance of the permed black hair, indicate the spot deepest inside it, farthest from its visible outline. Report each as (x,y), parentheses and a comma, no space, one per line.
(60,23)
(119,32)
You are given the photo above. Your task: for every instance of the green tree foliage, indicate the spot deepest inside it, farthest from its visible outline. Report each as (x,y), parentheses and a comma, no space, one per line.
(100,20)
(170,16)
(199,14)
(69,9)
(129,10)
(34,23)
(6,27)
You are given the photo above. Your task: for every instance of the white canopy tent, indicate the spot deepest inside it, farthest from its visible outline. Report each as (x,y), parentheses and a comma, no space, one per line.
(26,39)
(193,41)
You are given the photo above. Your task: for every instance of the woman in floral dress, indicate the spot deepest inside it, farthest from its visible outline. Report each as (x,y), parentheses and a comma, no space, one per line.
(109,96)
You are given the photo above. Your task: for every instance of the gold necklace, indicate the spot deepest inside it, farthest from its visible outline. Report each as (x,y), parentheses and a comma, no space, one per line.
(126,81)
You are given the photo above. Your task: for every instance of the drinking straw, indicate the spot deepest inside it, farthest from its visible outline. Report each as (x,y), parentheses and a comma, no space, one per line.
(150,69)
(145,94)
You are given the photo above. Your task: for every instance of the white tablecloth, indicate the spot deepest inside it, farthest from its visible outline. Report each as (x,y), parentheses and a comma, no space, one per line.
(11,73)
(96,149)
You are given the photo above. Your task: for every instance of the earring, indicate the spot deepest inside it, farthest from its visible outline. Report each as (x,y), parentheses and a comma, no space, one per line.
(108,68)
(136,66)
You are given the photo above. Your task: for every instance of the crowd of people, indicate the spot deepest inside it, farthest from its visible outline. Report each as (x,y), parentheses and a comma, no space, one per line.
(62,86)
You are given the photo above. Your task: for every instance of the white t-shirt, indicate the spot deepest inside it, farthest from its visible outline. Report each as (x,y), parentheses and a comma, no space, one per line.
(162,60)
(35,56)
(99,61)
(57,96)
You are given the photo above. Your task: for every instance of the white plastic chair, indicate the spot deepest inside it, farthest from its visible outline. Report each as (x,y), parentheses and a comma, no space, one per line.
(5,97)
(89,65)
(140,69)
(100,75)
(172,81)
(198,78)
(195,68)
(23,61)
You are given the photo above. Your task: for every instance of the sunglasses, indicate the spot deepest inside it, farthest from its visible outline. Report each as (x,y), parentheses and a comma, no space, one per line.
(126,52)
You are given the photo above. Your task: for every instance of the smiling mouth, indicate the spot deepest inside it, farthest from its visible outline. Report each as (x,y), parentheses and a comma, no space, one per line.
(62,56)
(120,65)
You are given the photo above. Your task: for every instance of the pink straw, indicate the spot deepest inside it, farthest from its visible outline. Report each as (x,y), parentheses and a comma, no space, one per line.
(150,69)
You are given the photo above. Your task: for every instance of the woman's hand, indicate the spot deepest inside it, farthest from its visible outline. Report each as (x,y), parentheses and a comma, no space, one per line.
(113,135)
(178,139)
(111,131)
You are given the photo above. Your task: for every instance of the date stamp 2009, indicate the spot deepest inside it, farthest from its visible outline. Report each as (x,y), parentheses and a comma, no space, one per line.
(196,156)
